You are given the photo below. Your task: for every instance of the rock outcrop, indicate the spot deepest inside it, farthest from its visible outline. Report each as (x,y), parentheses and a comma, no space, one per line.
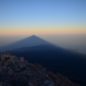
(16,71)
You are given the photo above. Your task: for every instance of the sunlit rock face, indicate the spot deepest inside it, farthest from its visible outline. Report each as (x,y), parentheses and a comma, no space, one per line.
(16,71)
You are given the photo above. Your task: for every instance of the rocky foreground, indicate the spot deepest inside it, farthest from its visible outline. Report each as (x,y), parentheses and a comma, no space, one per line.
(16,71)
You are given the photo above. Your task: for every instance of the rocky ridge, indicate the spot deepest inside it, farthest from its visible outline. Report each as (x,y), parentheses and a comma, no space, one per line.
(16,71)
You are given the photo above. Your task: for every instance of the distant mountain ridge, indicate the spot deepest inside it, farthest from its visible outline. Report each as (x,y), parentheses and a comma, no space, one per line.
(52,57)
(27,42)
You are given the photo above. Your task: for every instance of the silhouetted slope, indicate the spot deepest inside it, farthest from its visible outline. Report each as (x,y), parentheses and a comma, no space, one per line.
(27,42)
(54,58)
(16,71)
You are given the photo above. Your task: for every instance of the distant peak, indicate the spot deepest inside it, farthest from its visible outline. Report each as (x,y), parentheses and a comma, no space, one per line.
(34,36)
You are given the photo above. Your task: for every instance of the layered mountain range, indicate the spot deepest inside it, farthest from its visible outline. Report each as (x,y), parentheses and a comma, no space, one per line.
(54,58)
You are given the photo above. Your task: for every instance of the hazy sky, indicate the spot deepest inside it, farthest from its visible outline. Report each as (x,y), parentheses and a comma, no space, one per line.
(42,17)
(62,22)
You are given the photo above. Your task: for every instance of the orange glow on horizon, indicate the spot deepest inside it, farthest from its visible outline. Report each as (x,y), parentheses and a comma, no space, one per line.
(40,31)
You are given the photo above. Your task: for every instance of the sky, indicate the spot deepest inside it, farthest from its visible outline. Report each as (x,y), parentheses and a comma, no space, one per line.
(62,22)
(42,17)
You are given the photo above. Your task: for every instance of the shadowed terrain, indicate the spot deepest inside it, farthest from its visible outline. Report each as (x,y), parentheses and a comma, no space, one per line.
(16,71)
(54,58)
